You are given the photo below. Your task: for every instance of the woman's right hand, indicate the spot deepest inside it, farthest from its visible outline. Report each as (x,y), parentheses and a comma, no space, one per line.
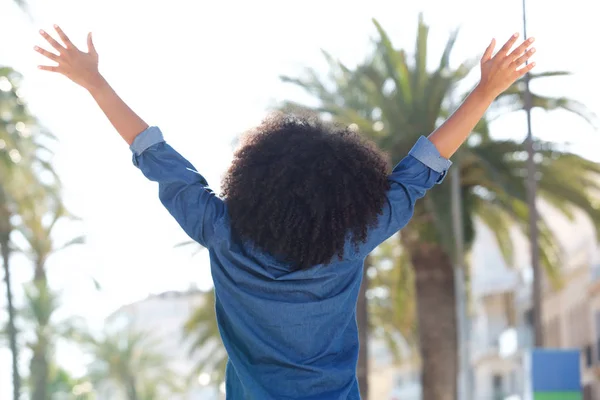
(79,66)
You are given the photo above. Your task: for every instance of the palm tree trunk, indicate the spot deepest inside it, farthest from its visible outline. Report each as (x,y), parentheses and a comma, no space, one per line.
(362,319)
(12,330)
(5,230)
(436,306)
(39,373)
(131,389)
(39,273)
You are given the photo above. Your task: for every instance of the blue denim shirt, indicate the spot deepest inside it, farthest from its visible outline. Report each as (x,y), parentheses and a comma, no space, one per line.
(289,334)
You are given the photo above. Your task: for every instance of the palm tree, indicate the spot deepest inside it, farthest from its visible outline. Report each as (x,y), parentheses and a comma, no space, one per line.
(23,155)
(63,386)
(37,231)
(39,216)
(393,100)
(16,146)
(126,363)
(40,305)
(5,229)
(39,315)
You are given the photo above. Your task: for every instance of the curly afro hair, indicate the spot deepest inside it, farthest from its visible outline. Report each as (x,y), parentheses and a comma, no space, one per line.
(299,188)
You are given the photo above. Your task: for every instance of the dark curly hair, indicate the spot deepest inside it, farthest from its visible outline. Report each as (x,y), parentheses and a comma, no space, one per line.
(299,188)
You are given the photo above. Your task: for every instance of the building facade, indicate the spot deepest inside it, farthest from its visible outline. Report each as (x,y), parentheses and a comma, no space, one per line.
(501,319)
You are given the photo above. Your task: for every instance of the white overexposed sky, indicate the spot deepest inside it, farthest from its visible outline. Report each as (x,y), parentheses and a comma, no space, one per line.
(206,71)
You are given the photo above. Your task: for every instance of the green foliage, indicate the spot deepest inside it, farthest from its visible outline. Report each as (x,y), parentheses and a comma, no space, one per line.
(42,330)
(128,362)
(24,159)
(30,208)
(64,386)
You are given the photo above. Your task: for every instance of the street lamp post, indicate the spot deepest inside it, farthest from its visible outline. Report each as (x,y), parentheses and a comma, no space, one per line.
(465,386)
(533,214)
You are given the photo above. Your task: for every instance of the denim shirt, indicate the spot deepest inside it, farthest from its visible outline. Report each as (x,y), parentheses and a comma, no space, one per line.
(289,334)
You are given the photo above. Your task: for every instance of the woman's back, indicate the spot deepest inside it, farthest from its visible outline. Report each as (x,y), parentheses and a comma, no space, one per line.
(290,332)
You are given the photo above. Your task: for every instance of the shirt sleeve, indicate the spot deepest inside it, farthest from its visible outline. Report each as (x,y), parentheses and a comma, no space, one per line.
(418,172)
(182,190)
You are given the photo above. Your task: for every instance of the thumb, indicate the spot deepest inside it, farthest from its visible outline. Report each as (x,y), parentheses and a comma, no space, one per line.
(489,51)
(90,44)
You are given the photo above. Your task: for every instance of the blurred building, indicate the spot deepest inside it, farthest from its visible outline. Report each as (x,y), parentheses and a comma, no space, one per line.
(163,316)
(501,316)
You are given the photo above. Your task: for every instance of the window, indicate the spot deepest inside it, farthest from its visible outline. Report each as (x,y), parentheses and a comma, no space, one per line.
(498,387)
(529,317)
(497,381)
(588,354)
(597,338)
(597,317)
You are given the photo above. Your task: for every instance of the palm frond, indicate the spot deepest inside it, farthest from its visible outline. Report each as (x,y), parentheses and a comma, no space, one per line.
(513,99)
(128,356)
(500,224)
(397,69)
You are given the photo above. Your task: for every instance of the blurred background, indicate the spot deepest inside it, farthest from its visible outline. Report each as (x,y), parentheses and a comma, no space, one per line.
(104,297)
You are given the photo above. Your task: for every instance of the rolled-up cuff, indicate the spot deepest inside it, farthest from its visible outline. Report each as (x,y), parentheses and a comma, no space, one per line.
(428,154)
(148,138)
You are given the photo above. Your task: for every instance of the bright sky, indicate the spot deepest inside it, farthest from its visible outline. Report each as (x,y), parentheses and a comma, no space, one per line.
(205,72)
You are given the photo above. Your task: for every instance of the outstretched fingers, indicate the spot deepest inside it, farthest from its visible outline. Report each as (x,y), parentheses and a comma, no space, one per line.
(62,48)
(52,41)
(517,57)
(47,53)
(521,72)
(522,48)
(523,59)
(508,65)
(503,52)
(48,68)
(51,56)
(77,65)
(65,39)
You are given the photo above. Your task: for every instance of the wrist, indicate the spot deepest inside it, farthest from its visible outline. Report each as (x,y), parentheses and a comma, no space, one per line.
(484,94)
(96,84)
